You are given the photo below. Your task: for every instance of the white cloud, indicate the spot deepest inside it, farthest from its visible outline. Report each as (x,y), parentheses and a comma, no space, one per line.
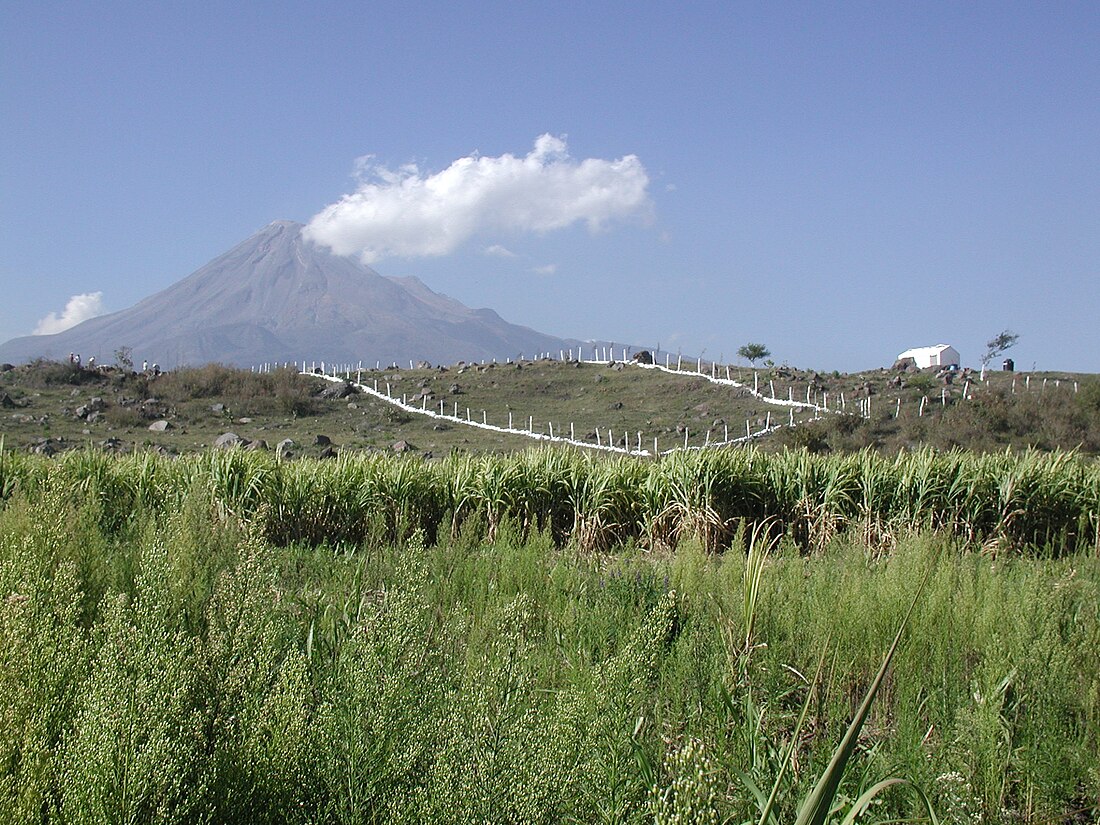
(406,213)
(498,251)
(549,269)
(80,308)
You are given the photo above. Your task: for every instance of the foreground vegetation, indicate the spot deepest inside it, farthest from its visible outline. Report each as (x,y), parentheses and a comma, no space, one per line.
(1036,503)
(227,638)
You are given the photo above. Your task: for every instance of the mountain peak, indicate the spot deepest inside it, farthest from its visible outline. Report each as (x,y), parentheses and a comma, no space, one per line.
(274,298)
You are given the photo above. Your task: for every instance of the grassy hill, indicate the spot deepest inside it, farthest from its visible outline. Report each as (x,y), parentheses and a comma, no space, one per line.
(49,406)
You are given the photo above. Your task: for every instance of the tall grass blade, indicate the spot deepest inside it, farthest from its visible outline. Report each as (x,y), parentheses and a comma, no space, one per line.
(864,801)
(766,815)
(815,810)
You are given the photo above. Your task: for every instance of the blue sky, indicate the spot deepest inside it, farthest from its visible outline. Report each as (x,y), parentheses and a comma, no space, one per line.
(839,181)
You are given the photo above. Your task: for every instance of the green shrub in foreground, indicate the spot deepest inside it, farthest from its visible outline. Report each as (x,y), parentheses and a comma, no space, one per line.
(186,668)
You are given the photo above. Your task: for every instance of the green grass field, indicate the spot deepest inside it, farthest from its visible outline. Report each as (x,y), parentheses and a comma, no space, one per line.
(224,637)
(502,634)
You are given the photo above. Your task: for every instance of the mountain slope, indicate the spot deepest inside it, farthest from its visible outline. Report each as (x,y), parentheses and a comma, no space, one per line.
(278,297)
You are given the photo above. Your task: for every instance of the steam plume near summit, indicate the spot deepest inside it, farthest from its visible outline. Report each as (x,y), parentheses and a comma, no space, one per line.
(408,214)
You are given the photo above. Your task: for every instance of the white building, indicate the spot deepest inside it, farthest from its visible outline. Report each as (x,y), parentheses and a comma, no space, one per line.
(941,355)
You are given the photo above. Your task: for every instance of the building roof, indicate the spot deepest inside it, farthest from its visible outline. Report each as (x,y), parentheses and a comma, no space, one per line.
(933,350)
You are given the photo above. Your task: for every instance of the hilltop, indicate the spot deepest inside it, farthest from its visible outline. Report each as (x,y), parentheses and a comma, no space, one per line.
(49,406)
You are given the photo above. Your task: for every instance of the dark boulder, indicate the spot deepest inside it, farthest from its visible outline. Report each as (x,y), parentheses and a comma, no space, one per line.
(338,391)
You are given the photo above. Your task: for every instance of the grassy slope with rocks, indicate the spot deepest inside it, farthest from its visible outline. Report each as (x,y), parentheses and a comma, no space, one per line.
(54,404)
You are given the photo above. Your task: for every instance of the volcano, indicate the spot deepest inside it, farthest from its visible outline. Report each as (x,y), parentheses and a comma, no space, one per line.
(278,297)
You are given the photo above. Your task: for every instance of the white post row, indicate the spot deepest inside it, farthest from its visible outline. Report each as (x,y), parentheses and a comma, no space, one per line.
(572,430)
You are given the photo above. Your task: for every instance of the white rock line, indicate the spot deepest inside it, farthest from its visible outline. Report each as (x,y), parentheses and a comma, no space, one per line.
(727,382)
(431,413)
(480,425)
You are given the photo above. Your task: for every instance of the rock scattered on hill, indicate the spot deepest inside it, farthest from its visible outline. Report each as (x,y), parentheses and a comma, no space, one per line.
(338,391)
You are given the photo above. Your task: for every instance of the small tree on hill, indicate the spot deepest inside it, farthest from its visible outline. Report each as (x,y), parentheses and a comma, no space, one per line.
(124,358)
(753,353)
(997,346)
